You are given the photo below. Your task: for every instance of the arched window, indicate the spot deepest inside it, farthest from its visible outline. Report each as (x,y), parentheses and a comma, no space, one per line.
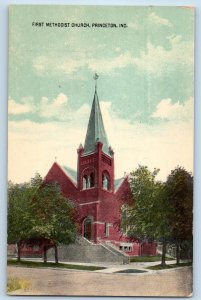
(88,179)
(106,181)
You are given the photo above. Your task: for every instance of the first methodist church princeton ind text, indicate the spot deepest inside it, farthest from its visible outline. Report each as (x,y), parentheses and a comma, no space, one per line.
(98,195)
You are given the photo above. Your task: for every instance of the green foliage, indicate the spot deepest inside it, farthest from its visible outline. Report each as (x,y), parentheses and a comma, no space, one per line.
(147,219)
(40,210)
(19,211)
(180,194)
(161,211)
(54,215)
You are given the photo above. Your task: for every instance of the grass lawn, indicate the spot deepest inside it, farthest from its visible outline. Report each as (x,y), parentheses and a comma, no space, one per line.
(159,267)
(148,258)
(34,264)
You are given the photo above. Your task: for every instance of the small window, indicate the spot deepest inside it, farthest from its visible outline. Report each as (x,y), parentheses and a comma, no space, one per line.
(126,248)
(85,182)
(106,182)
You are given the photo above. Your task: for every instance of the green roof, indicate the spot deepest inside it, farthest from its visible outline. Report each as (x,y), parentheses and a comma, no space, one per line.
(72,173)
(118,183)
(95,131)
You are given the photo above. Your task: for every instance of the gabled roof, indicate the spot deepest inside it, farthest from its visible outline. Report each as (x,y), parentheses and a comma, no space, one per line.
(95,131)
(117,183)
(71,173)
(73,176)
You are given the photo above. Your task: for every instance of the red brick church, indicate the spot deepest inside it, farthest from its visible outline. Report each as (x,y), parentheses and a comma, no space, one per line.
(93,187)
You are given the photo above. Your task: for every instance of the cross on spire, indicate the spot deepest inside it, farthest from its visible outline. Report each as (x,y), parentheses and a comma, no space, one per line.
(95,77)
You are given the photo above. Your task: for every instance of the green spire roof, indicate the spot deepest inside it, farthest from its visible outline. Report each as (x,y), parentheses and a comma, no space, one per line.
(95,131)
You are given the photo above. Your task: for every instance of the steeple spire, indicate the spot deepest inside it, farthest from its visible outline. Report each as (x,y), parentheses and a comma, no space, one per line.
(95,131)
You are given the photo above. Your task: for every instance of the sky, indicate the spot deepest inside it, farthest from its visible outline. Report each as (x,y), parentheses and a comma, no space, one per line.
(145,86)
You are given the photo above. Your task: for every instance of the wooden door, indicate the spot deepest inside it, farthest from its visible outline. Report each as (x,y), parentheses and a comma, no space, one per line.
(88,229)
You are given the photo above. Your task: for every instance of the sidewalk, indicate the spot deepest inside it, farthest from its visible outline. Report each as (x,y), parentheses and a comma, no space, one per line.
(115,267)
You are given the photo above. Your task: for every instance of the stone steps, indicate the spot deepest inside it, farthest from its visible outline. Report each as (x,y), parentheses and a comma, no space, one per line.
(87,252)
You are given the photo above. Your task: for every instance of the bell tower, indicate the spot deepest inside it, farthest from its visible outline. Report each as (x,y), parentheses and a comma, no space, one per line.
(96,159)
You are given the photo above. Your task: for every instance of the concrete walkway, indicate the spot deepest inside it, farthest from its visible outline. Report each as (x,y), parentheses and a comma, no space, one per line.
(115,267)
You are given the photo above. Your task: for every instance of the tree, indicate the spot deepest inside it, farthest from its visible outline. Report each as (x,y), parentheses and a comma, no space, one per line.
(40,211)
(54,215)
(180,196)
(147,219)
(19,214)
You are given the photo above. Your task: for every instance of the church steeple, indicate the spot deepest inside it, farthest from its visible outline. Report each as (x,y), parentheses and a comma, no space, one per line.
(96,159)
(96,131)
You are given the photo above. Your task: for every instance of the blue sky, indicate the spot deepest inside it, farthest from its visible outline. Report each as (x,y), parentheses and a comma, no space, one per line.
(145,86)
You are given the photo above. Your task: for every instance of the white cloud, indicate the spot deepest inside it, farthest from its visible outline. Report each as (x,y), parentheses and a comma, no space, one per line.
(81,114)
(33,146)
(61,99)
(56,108)
(106,66)
(168,110)
(154,59)
(15,108)
(152,145)
(71,65)
(155,19)
(157,60)
(41,63)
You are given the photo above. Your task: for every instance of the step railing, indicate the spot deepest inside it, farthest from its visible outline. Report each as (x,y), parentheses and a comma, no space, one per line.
(117,252)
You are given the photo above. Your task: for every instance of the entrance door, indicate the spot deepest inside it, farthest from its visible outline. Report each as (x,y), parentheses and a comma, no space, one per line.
(88,229)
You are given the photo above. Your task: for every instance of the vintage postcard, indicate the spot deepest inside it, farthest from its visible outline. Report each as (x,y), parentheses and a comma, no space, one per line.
(100,150)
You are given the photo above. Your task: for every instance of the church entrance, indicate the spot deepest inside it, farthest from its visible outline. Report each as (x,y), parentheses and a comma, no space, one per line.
(88,228)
